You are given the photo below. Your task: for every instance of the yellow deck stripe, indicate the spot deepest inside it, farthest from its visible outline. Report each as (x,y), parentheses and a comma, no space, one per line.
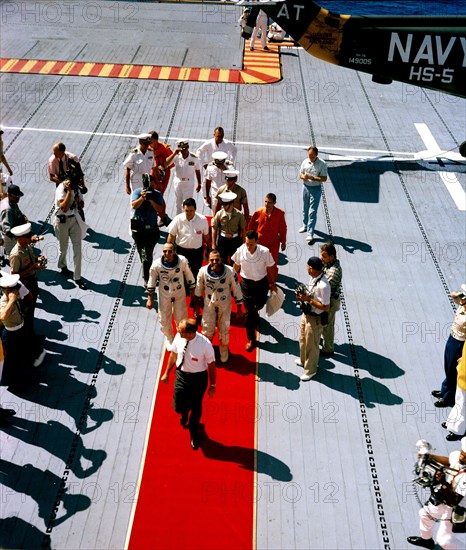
(265,66)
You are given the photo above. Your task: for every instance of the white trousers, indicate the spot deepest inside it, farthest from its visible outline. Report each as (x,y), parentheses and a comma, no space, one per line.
(445,537)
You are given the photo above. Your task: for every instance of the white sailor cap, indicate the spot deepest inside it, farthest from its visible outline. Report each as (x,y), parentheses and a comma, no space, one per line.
(229,174)
(182,143)
(145,137)
(9,281)
(23,230)
(227,196)
(219,155)
(463,444)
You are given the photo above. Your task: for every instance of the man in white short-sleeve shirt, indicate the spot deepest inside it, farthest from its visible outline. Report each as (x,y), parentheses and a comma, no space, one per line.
(194,358)
(254,262)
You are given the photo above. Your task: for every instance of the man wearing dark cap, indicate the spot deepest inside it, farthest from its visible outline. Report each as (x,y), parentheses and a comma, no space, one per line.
(10,216)
(139,161)
(316,300)
(228,228)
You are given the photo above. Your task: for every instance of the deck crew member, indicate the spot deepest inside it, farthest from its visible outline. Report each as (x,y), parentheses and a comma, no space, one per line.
(313,173)
(139,161)
(68,226)
(434,511)
(334,274)
(190,231)
(452,352)
(187,172)
(161,152)
(317,298)
(270,224)
(217,143)
(218,283)
(4,162)
(11,216)
(214,177)
(254,262)
(261,24)
(241,201)
(17,354)
(147,204)
(24,262)
(170,273)
(228,228)
(194,358)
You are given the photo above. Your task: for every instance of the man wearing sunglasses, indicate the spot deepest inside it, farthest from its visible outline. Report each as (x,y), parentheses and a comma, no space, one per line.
(218,283)
(170,272)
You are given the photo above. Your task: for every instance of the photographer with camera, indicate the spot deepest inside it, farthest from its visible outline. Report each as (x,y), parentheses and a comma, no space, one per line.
(147,204)
(187,171)
(314,302)
(68,226)
(24,262)
(446,479)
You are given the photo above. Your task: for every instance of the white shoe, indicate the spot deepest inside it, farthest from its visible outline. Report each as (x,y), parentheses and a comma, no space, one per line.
(309,238)
(38,362)
(302,229)
(298,362)
(307,377)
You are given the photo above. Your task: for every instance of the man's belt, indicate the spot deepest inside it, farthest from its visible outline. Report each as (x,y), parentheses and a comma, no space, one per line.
(228,235)
(13,329)
(184,179)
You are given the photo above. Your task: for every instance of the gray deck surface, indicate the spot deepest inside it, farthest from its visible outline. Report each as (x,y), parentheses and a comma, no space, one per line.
(348,436)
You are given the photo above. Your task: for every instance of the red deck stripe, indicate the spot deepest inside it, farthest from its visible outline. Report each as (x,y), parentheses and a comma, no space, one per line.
(95,71)
(75,69)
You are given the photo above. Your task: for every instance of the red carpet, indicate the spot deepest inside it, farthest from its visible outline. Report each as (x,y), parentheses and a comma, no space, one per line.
(204,499)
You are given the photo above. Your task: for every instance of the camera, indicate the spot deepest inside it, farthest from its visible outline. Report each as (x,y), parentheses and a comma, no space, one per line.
(42,261)
(75,176)
(305,307)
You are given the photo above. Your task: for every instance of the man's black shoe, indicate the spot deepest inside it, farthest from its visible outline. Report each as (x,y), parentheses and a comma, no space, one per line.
(453,437)
(66,272)
(444,425)
(6,413)
(195,444)
(419,541)
(436,393)
(441,403)
(327,353)
(82,284)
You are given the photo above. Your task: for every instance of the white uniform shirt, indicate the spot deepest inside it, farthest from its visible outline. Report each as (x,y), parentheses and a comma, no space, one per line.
(185,168)
(60,194)
(209,147)
(197,353)
(188,234)
(253,266)
(317,168)
(139,163)
(215,175)
(320,291)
